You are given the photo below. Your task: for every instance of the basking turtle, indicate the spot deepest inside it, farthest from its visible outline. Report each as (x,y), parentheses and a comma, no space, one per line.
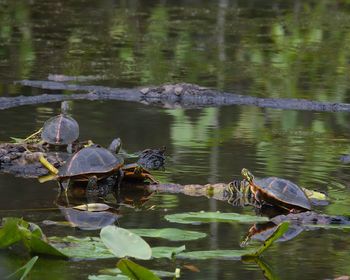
(94,163)
(61,129)
(278,192)
(91,164)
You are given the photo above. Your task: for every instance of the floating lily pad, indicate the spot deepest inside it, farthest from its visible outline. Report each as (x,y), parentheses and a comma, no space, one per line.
(81,248)
(207,217)
(167,252)
(172,234)
(122,242)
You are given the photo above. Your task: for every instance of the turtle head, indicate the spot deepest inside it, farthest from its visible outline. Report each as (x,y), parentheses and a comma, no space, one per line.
(115,145)
(247,175)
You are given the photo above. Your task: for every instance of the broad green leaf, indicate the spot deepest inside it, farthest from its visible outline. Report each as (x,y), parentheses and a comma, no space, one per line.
(167,252)
(35,241)
(92,207)
(213,254)
(81,248)
(136,271)
(172,234)
(280,230)
(9,233)
(26,268)
(37,245)
(206,217)
(123,242)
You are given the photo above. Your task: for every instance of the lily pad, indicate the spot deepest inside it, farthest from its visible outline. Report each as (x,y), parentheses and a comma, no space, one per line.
(81,248)
(172,234)
(167,252)
(122,242)
(136,271)
(207,217)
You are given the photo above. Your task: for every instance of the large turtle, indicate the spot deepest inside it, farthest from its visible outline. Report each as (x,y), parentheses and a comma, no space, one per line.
(94,163)
(276,191)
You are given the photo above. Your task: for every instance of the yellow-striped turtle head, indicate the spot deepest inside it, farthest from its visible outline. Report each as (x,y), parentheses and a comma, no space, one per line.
(247,175)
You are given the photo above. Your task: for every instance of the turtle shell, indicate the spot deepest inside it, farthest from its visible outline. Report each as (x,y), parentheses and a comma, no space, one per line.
(60,130)
(283,191)
(91,161)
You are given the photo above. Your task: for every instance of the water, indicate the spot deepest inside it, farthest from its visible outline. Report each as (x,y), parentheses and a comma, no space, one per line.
(291,49)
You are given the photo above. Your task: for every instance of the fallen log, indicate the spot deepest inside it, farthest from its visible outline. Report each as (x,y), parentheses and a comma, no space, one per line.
(169,96)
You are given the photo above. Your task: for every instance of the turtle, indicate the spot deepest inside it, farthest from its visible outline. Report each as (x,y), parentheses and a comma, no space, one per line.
(60,130)
(94,163)
(277,191)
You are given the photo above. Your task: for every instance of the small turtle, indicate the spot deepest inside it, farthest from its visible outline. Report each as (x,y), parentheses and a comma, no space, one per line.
(278,192)
(60,130)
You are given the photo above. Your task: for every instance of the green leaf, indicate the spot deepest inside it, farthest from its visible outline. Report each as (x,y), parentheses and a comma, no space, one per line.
(280,230)
(26,268)
(123,242)
(81,248)
(9,233)
(206,217)
(167,252)
(136,271)
(35,241)
(172,234)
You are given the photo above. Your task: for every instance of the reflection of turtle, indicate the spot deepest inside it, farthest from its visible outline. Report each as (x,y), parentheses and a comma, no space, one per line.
(263,231)
(277,191)
(88,220)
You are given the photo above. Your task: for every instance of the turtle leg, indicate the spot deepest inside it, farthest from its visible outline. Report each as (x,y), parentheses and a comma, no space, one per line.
(258,199)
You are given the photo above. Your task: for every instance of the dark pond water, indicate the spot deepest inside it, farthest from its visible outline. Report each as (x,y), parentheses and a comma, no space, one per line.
(294,49)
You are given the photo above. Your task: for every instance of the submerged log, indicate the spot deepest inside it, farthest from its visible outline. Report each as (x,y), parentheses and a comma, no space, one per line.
(170,96)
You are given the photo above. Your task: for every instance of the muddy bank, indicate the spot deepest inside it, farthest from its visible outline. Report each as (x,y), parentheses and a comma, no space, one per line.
(169,96)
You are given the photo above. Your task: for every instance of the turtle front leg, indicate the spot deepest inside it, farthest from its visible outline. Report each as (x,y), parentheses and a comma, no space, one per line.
(258,199)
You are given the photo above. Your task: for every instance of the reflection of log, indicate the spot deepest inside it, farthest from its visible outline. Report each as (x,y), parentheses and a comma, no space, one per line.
(217,191)
(178,95)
